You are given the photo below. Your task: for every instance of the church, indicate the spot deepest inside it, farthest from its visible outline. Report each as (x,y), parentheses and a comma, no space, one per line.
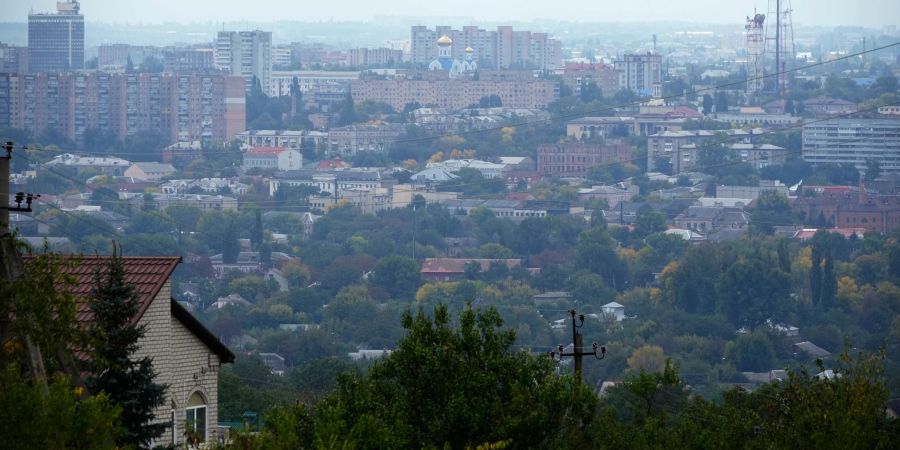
(444,60)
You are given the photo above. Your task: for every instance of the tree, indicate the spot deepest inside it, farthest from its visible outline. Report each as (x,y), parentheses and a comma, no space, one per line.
(126,379)
(754,289)
(707,104)
(647,358)
(648,222)
(772,208)
(721,102)
(490,101)
(454,388)
(596,253)
(752,352)
(399,275)
(815,275)
(873,170)
(230,246)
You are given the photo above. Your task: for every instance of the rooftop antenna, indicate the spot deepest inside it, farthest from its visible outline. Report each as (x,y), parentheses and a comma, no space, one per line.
(654,44)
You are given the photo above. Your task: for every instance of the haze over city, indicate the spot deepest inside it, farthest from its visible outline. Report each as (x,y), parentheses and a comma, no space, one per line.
(273,224)
(808,12)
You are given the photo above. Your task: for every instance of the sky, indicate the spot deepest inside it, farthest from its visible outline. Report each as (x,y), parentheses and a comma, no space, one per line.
(873,13)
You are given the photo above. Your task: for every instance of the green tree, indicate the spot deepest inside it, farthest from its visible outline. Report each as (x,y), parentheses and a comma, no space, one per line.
(752,352)
(457,388)
(707,104)
(772,208)
(873,170)
(596,252)
(129,381)
(399,275)
(753,289)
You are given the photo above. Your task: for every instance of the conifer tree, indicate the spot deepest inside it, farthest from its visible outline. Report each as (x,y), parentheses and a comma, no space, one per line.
(126,379)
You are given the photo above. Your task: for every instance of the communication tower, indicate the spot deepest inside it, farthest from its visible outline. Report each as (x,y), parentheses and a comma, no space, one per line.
(780,41)
(756,48)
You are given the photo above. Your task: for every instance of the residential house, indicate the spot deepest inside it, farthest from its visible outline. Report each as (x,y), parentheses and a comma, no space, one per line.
(707,219)
(551,297)
(107,165)
(613,310)
(612,194)
(274,362)
(202,201)
(827,106)
(186,356)
(810,350)
(273,158)
(447,269)
(151,171)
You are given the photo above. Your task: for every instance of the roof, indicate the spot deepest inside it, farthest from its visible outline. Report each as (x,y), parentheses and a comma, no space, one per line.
(812,349)
(147,274)
(265,151)
(458,265)
(154,167)
(613,305)
(202,333)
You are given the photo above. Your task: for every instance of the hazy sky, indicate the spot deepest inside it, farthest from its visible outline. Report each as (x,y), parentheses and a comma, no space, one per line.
(806,12)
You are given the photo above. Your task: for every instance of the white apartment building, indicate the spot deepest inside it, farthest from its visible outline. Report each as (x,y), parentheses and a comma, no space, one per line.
(247,54)
(854,141)
(308,80)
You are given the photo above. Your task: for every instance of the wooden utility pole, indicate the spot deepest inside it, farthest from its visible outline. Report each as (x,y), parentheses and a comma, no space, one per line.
(578,347)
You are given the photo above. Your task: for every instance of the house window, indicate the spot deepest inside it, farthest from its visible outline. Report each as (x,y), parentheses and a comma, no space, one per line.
(195,418)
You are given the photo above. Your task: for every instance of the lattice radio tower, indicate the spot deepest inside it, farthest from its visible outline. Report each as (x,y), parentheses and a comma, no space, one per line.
(756,50)
(780,41)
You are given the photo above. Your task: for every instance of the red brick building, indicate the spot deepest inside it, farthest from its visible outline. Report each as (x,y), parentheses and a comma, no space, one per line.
(574,159)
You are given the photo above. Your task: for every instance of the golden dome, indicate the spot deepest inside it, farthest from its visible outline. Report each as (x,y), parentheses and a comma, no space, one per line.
(470,50)
(445,40)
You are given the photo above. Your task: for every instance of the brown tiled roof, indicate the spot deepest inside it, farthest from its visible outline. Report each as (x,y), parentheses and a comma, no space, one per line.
(458,265)
(147,274)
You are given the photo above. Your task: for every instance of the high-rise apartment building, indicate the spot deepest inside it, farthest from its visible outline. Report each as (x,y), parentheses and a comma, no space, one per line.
(56,40)
(177,107)
(13,59)
(247,54)
(188,59)
(854,141)
(457,93)
(503,48)
(641,73)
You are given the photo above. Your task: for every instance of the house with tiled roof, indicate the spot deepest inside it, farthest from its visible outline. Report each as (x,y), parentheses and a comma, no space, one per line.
(152,171)
(186,355)
(446,269)
(273,158)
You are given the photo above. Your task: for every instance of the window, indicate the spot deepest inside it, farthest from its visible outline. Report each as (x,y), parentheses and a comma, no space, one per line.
(195,417)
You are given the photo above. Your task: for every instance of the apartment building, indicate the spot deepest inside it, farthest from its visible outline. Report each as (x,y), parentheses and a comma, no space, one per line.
(503,48)
(246,54)
(353,139)
(641,73)
(854,141)
(456,93)
(574,159)
(579,76)
(179,107)
(375,57)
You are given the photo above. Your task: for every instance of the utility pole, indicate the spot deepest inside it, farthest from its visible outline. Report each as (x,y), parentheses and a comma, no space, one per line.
(577,347)
(11,267)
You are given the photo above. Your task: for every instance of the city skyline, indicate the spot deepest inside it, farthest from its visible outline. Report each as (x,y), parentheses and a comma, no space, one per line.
(872,13)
